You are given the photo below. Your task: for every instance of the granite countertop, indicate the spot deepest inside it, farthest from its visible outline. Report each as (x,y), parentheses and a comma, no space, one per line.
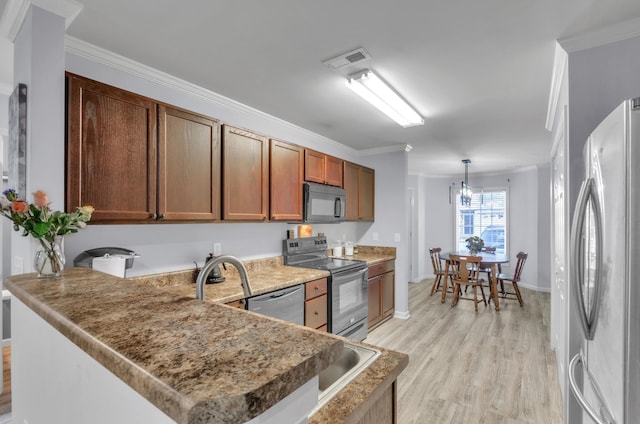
(373,254)
(240,363)
(265,275)
(198,362)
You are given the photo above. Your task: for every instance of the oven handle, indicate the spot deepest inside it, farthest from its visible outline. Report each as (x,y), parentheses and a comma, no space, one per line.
(282,293)
(354,330)
(350,273)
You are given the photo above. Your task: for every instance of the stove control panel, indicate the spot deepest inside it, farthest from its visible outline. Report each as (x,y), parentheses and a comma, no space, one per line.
(304,245)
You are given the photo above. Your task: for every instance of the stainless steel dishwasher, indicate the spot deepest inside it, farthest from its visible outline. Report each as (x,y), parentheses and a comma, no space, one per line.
(285,304)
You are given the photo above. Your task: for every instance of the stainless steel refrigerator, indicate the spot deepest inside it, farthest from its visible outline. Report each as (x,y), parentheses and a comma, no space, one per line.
(605,272)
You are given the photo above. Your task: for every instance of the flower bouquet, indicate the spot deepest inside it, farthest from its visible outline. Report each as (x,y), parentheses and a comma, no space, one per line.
(474,244)
(46,226)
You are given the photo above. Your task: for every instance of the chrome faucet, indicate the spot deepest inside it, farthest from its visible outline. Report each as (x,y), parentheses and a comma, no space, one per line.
(211,264)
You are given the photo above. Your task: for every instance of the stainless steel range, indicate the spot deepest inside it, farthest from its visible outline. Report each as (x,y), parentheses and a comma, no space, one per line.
(347,309)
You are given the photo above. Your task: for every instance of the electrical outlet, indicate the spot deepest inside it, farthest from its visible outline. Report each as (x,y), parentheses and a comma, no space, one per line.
(17,267)
(375,236)
(396,236)
(217,249)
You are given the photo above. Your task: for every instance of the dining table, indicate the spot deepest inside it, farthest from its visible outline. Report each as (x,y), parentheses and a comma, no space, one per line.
(491,259)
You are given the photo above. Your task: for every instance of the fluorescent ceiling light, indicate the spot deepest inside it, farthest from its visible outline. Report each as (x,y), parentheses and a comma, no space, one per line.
(371,88)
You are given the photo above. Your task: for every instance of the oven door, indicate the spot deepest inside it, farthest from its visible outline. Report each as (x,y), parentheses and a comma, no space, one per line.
(349,303)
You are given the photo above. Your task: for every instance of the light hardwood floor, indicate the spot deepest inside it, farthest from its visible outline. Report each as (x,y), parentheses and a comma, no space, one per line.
(467,367)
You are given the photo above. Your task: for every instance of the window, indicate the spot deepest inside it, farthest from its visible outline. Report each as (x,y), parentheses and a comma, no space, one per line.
(486,217)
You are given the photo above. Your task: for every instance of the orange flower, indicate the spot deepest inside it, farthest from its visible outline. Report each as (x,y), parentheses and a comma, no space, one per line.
(20,206)
(40,198)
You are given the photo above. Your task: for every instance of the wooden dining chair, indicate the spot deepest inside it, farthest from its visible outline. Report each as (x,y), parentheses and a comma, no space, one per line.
(465,273)
(513,279)
(485,268)
(439,272)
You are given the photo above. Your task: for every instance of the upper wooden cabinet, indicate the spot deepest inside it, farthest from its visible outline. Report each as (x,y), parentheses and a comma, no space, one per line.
(359,185)
(111,152)
(189,166)
(245,175)
(135,160)
(285,180)
(322,169)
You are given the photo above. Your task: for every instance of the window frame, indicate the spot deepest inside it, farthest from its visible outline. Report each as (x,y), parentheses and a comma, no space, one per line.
(457,238)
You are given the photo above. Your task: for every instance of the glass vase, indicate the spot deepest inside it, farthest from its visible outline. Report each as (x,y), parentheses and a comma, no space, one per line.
(49,259)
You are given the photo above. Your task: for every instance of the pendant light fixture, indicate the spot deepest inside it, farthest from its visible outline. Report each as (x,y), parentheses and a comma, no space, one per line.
(465,191)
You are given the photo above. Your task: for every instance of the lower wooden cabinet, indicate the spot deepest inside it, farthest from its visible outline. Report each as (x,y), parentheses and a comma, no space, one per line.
(384,409)
(381,292)
(315,304)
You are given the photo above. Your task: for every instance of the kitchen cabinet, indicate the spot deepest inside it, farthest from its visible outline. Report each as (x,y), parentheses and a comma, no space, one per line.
(111,152)
(359,185)
(381,292)
(245,175)
(322,169)
(315,304)
(189,166)
(135,160)
(286,163)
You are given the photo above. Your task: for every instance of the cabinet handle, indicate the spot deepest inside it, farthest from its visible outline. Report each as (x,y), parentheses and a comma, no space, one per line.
(154,216)
(161,216)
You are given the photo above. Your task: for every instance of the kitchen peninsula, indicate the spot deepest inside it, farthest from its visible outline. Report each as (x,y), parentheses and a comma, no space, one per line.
(189,361)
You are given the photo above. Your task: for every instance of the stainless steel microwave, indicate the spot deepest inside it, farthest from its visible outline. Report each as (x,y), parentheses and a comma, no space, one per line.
(323,203)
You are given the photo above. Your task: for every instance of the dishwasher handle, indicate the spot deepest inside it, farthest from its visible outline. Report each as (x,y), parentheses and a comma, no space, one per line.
(280,294)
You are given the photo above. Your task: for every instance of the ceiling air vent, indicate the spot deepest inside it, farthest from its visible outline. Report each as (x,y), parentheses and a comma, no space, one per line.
(347,59)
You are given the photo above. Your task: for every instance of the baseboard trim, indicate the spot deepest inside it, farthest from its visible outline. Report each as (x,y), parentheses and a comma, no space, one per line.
(402,314)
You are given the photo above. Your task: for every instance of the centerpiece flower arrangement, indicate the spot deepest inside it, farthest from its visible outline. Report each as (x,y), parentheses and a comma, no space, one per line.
(474,244)
(47,226)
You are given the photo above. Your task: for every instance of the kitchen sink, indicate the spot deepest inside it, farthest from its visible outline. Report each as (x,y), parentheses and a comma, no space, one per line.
(352,361)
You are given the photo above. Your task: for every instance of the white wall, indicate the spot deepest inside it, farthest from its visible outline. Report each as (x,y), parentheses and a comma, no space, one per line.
(392,218)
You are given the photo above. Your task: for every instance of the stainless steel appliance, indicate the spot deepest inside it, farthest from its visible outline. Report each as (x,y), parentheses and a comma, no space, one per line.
(323,203)
(348,305)
(604,375)
(285,304)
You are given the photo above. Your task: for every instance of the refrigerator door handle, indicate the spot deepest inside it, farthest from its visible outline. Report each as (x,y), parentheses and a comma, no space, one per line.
(587,192)
(605,416)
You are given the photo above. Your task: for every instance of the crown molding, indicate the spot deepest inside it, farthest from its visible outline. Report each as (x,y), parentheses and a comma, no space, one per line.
(557,76)
(605,35)
(112,60)
(387,149)
(16,10)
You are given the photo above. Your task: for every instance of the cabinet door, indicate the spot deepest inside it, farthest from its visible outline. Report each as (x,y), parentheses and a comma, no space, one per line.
(375,313)
(111,151)
(245,168)
(286,163)
(366,194)
(387,292)
(333,171)
(315,312)
(189,166)
(351,188)
(314,166)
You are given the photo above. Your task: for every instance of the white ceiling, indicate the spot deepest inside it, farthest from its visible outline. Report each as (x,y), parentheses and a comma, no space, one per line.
(478,71)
